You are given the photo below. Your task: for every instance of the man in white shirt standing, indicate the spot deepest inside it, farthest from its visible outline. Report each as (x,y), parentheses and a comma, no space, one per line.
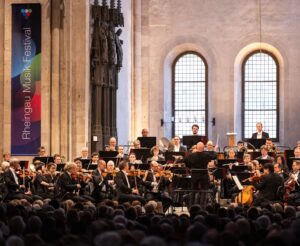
(260,134)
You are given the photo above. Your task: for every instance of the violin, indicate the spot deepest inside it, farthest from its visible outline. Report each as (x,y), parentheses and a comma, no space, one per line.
(137,172)
(164,173)
(105,173)
(25,173)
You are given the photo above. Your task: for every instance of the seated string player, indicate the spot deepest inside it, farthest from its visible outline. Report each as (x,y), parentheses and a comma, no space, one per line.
(267,186)
(126,191)
(278,169)
(101,186)
(15,189)
(292,185)
(156,183)
(297,152)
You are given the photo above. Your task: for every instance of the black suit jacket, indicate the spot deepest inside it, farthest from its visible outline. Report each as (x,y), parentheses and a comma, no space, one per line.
(198,160)
(150,178)
(181,148)
(66,184)
(268,186)
(121,183)
(10,182)
(265,135)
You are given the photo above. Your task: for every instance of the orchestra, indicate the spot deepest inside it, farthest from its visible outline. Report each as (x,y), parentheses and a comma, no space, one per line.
(127,178)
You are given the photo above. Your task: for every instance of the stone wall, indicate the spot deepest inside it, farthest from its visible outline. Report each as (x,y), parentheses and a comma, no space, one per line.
(224,32)
(65,75)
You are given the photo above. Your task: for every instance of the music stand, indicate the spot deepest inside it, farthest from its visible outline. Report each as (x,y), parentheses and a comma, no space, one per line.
(257,143)
(44,159)
(225,162)
(108,154)
(142,154)
(86,163)
(60,167)
(264,161)
(255,154)
(116,160)
(191,140)
(142,166)
(24,164)
(147,142)
(169,155)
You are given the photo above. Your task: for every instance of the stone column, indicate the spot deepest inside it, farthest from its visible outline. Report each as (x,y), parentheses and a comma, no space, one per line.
(56,48)
(2,26)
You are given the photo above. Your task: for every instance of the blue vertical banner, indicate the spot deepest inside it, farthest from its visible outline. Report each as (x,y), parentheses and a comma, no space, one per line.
(26,79)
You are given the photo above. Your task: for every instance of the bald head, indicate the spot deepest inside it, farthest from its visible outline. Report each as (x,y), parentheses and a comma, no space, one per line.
(200,147)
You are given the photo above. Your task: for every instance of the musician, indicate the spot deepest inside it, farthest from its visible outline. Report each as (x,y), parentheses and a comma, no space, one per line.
(57,159)
(110,167)
(84,153)
(297,152)
(231,154)
(121,152)
(112,144)
(211,150)
(267,186)
(136,144)
(145,132)
(199,160)
(133,160)
(241,147)
(155,186)
(68,186)
(51,178)
(247,159)
(6,156)
(281,161)
(42,151)
(195,129)
(156,156)
(125,190)
(260,134)
(176,146)
(95,158)
(278,169)
(294,196)
(264,153)
(101,190)
(271,146)
(14,188)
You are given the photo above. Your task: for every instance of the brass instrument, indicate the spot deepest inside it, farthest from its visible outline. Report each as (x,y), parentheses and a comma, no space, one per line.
(164,144)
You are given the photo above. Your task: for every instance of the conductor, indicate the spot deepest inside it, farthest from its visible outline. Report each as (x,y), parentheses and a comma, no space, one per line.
(198,162)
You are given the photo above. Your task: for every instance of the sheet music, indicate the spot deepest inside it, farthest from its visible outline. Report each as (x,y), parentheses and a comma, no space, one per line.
(237,182)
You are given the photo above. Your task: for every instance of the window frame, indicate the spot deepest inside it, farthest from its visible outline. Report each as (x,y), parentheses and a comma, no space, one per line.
(277,94)
(206,89)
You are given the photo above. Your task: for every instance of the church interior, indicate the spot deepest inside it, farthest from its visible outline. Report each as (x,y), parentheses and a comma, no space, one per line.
(205,78)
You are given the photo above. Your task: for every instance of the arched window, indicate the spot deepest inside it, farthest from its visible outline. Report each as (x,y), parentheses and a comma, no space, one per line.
(189,94)
(260,94)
